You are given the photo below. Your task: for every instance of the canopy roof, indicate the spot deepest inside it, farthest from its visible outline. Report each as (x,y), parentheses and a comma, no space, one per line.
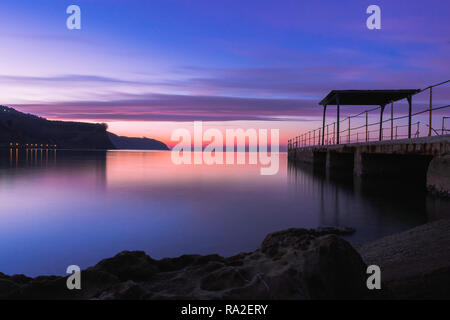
(366,97)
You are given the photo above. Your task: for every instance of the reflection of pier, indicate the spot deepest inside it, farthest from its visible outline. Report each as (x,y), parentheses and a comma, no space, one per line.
(369,204)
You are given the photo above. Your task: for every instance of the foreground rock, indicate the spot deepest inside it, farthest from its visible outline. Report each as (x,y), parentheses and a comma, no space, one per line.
(415,264)
(291,264)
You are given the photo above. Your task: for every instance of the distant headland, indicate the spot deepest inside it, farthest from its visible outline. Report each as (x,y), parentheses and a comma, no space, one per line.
(22,130)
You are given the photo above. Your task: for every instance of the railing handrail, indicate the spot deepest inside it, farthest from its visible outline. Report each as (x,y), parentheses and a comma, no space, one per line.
(304,138)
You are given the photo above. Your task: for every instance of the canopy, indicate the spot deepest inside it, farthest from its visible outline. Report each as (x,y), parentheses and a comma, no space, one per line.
(366,97)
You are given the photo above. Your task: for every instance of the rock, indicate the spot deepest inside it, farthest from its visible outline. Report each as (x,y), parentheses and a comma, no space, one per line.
(7,287)
(415,264)
(20,279)
(129,265)
(334,230)
(128,290)
(172,264)
(438,176)
(333,269)
(291,264)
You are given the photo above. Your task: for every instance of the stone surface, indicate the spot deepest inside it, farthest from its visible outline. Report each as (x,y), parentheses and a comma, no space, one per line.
(438,175)
(415,264)
(391,158)
(291,264)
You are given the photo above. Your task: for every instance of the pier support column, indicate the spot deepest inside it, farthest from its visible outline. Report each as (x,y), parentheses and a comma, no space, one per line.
(339,163)
(410,167)
(357,164)
(438,175)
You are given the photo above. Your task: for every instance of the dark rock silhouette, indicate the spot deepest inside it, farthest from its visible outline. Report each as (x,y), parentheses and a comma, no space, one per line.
(121,142)
(291,264)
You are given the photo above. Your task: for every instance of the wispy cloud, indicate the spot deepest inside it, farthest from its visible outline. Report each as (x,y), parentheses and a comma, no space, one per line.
(176,108)
(66,79)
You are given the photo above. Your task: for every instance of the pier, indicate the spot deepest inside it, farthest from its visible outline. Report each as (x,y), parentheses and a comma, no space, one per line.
(397,150)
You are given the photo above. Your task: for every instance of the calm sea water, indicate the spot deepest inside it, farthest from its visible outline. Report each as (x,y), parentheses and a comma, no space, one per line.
(66,207)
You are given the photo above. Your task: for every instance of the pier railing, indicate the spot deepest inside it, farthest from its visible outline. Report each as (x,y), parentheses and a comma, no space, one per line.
(364,130)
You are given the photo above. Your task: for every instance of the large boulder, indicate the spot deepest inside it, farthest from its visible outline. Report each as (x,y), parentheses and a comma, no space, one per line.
(438,175)
(290,264)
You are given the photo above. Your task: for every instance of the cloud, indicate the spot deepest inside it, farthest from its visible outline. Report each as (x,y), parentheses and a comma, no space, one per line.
(177,108)
(66,79)
(266,94)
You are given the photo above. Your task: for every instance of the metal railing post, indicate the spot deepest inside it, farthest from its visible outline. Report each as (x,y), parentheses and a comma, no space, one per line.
(392,121)
(431,103)
(409,115)
(380,138)
(367,126)
(337,120)
(348,129)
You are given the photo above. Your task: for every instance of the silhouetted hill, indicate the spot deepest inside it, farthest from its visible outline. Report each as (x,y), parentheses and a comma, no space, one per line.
(121,142)
(22,128)
(18,127)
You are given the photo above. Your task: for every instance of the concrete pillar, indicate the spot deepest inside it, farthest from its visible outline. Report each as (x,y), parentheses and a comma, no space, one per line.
(338,163)
(409,115)
(438,175)
(357,163)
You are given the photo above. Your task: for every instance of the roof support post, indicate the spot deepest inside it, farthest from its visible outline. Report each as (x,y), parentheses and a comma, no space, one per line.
(381,122)
(337,122)
(431,108)
(409,98)
(323,123)
(392,121)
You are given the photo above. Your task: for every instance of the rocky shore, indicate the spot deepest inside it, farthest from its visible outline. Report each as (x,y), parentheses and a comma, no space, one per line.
(415,264)
(290,264)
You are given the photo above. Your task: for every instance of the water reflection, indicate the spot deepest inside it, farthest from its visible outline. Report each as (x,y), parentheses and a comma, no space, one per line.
(29,163)
(72,207)
(375,207)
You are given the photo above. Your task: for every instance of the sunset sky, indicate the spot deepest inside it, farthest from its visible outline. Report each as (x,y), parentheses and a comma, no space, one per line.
(148,67)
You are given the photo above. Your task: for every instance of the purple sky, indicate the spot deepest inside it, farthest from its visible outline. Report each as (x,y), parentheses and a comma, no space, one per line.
(213,60)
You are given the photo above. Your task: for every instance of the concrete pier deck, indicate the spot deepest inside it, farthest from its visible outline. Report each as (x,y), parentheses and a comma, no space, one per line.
(392,158)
